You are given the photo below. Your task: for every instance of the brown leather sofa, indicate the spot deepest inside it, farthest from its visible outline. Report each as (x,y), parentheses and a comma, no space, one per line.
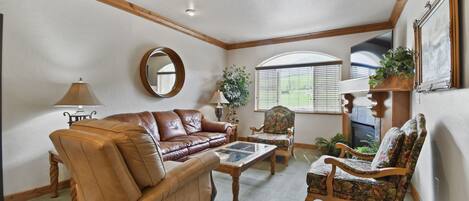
(180,133)
(117,161)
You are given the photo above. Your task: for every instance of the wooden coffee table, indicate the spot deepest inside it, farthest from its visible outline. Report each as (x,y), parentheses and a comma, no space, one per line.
(238,156)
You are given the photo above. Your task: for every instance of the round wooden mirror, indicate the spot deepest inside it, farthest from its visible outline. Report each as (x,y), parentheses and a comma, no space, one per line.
(162,72)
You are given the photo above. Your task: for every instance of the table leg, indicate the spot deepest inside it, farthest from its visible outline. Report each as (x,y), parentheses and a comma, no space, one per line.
(235,187)
(53,176)
(273,159)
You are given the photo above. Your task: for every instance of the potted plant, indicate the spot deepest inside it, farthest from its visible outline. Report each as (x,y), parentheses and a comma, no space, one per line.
(235,87)
(397,70)
(327,146)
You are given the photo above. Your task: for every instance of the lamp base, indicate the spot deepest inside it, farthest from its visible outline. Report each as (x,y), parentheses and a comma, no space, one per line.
(219,112)
(78,116)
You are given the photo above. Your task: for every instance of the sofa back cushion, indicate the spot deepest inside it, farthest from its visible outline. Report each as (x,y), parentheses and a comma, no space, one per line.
(138,148)
(96,164)
(143,119)
(169,125)
(388,151)
(191,120)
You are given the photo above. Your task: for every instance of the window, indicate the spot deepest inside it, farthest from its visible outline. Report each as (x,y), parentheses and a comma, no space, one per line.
(302,81)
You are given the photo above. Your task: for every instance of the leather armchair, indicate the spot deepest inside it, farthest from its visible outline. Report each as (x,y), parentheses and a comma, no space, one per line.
(101,174)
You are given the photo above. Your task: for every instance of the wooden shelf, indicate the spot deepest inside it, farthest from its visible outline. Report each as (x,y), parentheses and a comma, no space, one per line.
(395,83)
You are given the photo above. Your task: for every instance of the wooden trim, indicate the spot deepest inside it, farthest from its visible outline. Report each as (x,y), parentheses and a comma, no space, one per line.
(314,35)
(324,63)
(305,146)
(397,11)
(152,16)
(37,192)
(414,193)
(1,103)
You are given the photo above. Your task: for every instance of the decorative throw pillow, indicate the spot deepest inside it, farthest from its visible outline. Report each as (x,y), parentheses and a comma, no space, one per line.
(139,149)
(389,149)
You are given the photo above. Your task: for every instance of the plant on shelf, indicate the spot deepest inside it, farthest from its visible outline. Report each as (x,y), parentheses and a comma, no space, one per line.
(328,146)
(235,87)
(398,62)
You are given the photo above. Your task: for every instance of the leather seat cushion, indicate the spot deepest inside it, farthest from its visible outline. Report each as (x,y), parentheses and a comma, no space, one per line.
(169,125)
(176,155)
(190,140)
(139,149)
(217,142)
(167,146)
(347,186)
(211,135)
(143,119)
(280,140)
(199,147)
(191,120)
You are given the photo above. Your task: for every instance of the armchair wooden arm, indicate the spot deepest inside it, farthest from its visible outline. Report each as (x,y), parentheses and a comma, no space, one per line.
(346,149)
(254,129)
(378,173)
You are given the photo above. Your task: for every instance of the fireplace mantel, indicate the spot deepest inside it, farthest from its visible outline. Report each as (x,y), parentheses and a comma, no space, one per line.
(389,101)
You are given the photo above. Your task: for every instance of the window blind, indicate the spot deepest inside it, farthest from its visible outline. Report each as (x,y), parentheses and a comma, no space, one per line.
(311,87)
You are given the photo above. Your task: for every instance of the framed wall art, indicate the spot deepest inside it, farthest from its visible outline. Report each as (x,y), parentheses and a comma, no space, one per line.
(437,53)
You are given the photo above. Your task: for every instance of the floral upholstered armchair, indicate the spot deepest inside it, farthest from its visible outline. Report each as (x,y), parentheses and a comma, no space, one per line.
(384,176)
(278,129)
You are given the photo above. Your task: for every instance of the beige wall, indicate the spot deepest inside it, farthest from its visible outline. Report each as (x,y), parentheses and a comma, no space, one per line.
(443,167)
(50,43)
(308,126)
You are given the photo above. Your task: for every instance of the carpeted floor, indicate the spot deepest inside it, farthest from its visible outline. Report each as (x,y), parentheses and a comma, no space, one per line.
(256,183)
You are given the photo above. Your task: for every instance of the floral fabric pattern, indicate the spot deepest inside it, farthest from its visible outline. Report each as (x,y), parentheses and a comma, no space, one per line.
(347,186)
(389,149)
(278,120)
(282,141)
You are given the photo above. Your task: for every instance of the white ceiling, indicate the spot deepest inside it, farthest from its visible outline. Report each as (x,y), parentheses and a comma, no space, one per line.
(234,21)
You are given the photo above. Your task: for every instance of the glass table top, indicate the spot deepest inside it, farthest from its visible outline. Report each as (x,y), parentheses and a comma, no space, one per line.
(239,153)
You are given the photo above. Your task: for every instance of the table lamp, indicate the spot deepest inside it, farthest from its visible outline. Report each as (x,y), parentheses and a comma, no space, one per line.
(79,95)
(219,99)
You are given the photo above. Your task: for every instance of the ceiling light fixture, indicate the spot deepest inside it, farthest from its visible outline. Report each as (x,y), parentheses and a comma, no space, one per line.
(190,12)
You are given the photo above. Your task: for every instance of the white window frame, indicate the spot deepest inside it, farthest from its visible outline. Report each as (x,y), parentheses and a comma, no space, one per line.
(332,59)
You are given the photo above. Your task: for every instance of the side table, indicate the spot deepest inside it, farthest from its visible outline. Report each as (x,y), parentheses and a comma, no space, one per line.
(54,161)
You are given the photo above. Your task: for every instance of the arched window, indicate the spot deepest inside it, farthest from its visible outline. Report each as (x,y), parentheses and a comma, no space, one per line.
(301,81)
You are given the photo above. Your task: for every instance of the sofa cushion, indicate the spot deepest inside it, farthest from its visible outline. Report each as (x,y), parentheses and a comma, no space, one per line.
(347,186)
(389,148)
(169,125)
(191,120)
(138,148)
(190,140)
(217,142)
(282,141)
(167,146)
(143,119)
(211,135)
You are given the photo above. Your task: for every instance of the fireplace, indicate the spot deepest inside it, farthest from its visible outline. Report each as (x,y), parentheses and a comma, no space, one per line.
(364,127)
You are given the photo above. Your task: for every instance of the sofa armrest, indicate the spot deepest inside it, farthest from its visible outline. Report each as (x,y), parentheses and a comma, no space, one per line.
(181,175)
(214,126)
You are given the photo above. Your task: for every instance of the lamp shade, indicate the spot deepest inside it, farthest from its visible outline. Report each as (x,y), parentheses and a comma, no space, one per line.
(218,98)
(79,94)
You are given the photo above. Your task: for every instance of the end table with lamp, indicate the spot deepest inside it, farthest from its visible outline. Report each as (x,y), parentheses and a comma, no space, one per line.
(79,95)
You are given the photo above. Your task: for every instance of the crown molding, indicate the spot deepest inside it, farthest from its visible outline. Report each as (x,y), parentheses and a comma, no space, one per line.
(314,35)
(397,11)
(152,16)
(155,17)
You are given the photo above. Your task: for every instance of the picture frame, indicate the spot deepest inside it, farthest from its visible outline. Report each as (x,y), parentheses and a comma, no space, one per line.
(437,51)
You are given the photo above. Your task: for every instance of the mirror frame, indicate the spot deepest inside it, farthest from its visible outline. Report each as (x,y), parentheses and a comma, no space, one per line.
(178,67)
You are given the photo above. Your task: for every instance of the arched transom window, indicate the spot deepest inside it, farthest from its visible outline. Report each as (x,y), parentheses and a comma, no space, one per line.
(301,81)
